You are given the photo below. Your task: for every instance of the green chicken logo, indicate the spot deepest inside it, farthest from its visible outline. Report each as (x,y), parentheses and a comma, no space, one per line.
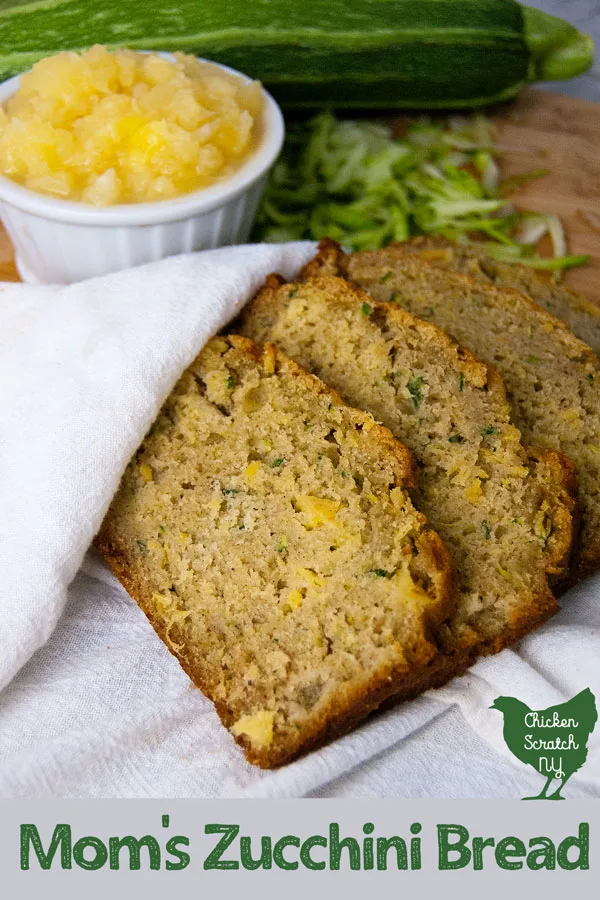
(553,740)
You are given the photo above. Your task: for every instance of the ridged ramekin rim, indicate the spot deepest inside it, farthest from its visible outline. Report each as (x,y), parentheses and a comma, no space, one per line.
(157,212)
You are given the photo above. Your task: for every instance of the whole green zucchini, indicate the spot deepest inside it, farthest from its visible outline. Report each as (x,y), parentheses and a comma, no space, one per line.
(386,53)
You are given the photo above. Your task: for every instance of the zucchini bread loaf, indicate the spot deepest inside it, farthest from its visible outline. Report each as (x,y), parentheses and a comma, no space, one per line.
(581,315)
(551,377)
(266,531)
(503,514)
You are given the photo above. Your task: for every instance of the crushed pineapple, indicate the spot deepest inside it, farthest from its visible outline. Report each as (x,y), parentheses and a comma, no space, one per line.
(251,470)
(319,509)
(474,493)
(146,472)
(269,359)
(312,577)
(172,613)
(108,127)
(258,728)
(294,600)
(407,588)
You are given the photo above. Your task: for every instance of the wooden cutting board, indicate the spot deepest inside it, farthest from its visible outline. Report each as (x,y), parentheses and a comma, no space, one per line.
(561,134)
(538,130)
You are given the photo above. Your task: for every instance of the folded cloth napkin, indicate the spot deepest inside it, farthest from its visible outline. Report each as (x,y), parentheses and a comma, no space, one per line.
(102,709)
(84,370)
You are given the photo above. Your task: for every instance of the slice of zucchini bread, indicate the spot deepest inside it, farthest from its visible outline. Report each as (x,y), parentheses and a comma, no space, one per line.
(266,531)
(551,377)
(581,315)
(504,515)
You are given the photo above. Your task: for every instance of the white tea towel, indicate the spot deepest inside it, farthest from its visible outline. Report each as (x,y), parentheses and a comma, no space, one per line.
(84,370)
(102,709)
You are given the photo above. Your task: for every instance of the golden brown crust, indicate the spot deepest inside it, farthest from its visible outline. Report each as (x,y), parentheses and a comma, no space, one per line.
(552,474)
(586,558)
(335,721)
(440,251)
(429,668)
(556,473)
(436,560)
(555,469)
(331,259)
(347,706)
(266,303)
(445,666)
(534,282)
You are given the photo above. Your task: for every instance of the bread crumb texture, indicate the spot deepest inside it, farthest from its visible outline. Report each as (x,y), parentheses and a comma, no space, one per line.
(580,314)
(266,530)
(551,377)
(504,513)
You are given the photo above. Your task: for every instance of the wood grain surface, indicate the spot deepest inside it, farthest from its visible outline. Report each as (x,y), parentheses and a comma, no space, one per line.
(538,130)
(561,134)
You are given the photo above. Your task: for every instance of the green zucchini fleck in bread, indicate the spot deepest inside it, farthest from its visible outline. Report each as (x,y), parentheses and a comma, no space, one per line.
(266,531)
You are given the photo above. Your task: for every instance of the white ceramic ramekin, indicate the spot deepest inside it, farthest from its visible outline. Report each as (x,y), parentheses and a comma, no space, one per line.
(60,241)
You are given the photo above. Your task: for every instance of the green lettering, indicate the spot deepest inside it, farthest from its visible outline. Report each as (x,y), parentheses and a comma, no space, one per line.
(265,859)
(30,838)
(100,851)
(368,855)
(415,853)
(183,858)
(510,846)
(317,840)
(542,858)
(581,843)
(134,846)
(479,845)
(336,846)
(213,860)
(289,840)
(445,847)
(384,845)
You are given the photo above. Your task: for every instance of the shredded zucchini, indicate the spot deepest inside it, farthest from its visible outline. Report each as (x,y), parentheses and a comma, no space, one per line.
(415,389)
(356,182)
